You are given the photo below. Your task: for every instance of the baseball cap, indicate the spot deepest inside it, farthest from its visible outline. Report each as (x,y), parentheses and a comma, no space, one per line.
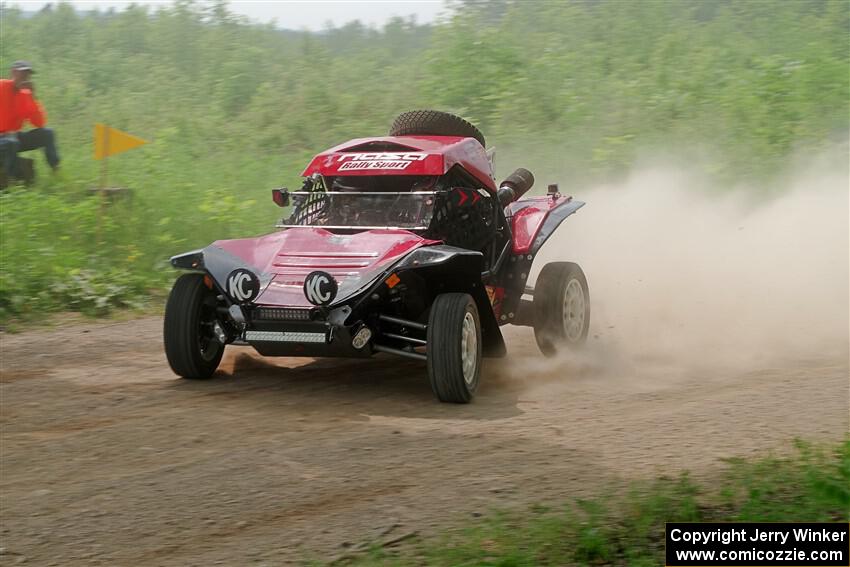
(22,66)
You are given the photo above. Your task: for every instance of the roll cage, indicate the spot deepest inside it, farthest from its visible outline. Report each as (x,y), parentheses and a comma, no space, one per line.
(457,210)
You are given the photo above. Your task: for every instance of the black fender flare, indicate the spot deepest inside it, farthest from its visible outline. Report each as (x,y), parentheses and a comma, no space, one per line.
(551,223)
(218,264)
(459,270)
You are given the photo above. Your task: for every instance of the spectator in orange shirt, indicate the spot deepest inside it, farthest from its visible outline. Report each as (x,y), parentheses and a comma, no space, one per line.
(18,105)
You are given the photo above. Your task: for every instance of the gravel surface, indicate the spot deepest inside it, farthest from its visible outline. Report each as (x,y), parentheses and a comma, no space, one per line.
(108,458)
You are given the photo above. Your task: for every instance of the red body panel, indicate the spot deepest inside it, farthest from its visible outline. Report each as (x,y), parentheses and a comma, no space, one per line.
(527,217)
(416,155)
(289,255)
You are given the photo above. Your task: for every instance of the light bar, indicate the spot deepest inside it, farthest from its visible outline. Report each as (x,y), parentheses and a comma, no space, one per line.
(284,337)
(282,314)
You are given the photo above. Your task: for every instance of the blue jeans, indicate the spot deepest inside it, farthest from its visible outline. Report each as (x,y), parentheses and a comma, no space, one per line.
(12,144)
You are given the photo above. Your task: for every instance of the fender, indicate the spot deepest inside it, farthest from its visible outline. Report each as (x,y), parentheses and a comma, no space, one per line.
(553,220)
(217,263)
(534,220)
(459,270)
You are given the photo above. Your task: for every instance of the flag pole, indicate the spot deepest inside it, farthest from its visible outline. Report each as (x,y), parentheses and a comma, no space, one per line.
(105,146)
(104,173)
(104,169)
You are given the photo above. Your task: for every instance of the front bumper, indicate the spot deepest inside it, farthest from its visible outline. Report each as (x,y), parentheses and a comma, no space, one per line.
(295,338)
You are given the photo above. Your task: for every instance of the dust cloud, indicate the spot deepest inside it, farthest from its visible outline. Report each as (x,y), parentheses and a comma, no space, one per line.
(685,276)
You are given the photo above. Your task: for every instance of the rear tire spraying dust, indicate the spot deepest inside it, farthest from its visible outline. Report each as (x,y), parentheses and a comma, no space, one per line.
(190,343)
(454,348)
(561,308)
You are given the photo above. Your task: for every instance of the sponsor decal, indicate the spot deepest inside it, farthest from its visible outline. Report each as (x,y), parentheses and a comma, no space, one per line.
(320,288)
(242,285)
(378,160)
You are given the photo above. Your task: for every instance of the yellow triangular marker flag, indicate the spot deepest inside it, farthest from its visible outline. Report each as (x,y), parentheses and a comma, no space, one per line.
(109,141)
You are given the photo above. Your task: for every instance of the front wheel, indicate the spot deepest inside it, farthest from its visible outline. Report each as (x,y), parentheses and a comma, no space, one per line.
(454,347)
(561,308)
(191,346)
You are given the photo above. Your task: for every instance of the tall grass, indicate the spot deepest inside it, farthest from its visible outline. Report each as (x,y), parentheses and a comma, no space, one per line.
(234,108)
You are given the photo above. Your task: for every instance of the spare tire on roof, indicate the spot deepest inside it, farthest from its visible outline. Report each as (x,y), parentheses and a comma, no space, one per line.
(434,123)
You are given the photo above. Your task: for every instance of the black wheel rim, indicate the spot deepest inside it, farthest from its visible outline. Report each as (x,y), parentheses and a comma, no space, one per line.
(208,344)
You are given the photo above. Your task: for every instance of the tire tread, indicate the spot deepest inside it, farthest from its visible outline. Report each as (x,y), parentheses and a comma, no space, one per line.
(445,369)
(548,292)
(180,322)
(434,123)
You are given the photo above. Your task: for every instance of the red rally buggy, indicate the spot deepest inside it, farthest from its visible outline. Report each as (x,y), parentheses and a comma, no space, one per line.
(402,244)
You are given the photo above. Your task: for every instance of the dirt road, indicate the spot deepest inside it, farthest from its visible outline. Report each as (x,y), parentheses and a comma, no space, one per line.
(107,458)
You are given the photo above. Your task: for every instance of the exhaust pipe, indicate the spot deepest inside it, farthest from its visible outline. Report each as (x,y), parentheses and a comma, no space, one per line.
(515,186)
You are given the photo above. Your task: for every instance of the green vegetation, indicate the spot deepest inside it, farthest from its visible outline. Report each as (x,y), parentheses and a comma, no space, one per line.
(234,109)
(813,485)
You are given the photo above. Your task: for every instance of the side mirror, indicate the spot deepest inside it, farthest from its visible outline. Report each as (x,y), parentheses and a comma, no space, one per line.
(281,197)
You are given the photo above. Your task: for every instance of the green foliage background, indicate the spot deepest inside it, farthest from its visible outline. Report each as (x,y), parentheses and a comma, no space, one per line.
(234,108)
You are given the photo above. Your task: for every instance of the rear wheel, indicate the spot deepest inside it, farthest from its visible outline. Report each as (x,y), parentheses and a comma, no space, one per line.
(454,347)
(191,347)
(434,123)
(561,308)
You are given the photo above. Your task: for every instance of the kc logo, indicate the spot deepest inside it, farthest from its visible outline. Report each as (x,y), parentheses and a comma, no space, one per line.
(320,288)
(243,285)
